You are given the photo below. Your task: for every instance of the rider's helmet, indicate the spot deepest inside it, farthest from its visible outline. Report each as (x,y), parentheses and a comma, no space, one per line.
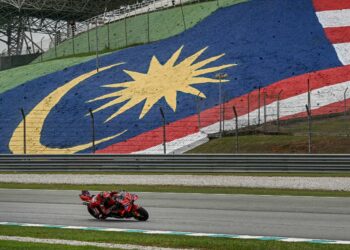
(85,193)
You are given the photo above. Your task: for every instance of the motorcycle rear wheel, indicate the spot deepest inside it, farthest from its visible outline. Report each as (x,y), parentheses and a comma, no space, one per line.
(142,214)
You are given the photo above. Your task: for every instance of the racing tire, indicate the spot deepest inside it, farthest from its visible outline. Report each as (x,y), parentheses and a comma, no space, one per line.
(142,214)
(91,211)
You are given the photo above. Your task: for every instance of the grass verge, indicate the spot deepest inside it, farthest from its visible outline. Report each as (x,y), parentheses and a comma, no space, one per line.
(180,189)
(13,245)
(330,135)
(159,240)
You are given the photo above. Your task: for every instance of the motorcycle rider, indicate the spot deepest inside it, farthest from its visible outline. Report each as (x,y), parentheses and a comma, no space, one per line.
(109,201)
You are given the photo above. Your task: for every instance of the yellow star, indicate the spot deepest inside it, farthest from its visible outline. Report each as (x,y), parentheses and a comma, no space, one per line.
(161,81)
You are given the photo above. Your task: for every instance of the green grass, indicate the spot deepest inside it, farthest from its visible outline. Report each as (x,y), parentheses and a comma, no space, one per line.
(180,189)
(160,240)
(330,135)
(14,77)
(140,29)
(163,24)
(13,245)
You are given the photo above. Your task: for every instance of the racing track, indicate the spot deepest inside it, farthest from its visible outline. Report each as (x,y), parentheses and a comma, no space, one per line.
(302,217)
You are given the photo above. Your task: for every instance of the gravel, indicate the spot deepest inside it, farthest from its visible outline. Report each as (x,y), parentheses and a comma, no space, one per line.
(322,183)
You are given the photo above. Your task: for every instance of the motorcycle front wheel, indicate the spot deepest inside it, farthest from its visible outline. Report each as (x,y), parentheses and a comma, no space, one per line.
(92,212)
(141,214)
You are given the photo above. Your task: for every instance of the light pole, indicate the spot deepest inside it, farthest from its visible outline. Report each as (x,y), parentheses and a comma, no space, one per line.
(220,77)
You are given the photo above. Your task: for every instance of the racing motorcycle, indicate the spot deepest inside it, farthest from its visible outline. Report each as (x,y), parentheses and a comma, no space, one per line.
(128,210)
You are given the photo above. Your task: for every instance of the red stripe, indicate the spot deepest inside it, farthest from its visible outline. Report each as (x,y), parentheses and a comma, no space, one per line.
(338,35)
(181,128)
(322,5)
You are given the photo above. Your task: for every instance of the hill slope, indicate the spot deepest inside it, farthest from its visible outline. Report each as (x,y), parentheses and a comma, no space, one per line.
(275,45)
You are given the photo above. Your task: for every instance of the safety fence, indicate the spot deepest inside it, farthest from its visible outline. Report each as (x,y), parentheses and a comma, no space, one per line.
(141,24)
(317,121)
(177,163)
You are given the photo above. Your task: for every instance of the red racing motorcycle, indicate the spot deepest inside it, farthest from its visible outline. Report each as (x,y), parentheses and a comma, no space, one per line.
(128,208)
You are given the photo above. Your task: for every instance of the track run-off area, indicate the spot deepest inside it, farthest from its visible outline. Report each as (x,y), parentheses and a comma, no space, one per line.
(242,215)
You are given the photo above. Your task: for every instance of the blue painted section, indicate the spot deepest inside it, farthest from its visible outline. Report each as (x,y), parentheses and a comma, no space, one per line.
(270,40)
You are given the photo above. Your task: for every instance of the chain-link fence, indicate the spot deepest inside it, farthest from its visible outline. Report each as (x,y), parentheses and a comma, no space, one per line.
(129,27)
(317,121)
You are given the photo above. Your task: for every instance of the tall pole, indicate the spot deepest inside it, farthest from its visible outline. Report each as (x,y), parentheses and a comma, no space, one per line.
(236,127)
(278,110)
(24,132)
(97,56)
(164,131)
(309,127)
(93,130)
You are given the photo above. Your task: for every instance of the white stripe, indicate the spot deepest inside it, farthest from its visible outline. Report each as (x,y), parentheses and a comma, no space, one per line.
(334,18)
(122,246)
(343,52)
(293,105)
(80,243)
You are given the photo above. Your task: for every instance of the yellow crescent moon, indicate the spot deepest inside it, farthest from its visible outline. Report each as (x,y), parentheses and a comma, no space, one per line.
(36,119)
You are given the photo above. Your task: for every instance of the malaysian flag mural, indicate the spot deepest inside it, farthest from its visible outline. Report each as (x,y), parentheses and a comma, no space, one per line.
(275,47)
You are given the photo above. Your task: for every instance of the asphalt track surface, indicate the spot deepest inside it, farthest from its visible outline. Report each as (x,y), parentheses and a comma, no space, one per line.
(287,216)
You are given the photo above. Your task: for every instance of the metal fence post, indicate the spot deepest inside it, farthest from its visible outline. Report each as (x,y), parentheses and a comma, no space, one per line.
(126,31)
(223,114)
(345,108)
(97,57)
(55,46)
(183,16)
(42,51)
(220,77)
(236,127)
(278,110)
(73,43)
(164,131)
(93,130)
(24,132)
(199,110)
(264,100)
(248,105)
(88,37)
(259,106)
(308,94)
(309,127)
(108,36)
(148,32)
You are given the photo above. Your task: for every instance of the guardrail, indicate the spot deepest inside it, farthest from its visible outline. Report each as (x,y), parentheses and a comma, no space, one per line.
(178,163)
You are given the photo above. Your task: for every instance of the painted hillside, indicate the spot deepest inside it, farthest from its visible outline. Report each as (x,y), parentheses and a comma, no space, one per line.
(270,45)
